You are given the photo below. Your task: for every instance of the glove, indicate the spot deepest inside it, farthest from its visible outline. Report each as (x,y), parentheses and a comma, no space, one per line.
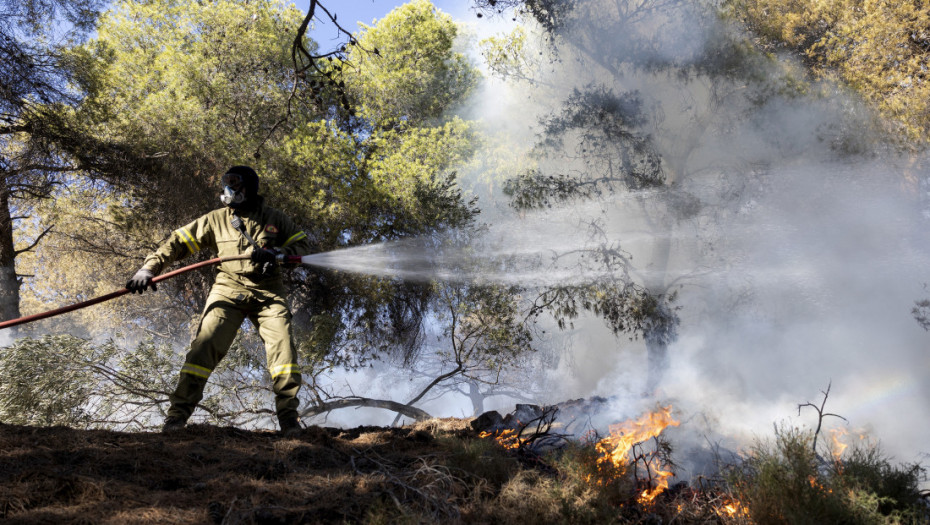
(262,256)
(141,281)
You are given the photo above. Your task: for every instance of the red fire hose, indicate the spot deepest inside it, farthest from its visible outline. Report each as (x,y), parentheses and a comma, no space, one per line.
(114,295)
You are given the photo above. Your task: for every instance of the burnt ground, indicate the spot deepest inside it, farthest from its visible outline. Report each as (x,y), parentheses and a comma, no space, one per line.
(207,474)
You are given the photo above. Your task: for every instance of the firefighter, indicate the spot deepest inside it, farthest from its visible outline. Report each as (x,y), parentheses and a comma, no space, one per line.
(250,288)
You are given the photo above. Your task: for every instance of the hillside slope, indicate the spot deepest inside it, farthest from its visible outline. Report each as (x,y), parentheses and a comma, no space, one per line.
(437,471)
(221,475)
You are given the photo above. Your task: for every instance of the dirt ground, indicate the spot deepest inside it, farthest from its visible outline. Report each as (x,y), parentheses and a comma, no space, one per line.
(207,474)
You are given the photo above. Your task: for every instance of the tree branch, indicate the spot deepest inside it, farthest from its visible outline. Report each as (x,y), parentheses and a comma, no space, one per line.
(400,408)
(34,243)
(820,413)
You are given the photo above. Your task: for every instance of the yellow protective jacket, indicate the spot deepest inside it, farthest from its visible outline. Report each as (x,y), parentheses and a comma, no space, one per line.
(269,227)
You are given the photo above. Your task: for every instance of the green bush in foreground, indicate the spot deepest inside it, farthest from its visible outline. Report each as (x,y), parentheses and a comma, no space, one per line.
(786,482)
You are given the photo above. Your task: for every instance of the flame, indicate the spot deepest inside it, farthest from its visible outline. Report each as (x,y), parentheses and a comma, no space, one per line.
(507,438)
(816,485)
(837,435)
(733,509)
(661,480)
(614,449)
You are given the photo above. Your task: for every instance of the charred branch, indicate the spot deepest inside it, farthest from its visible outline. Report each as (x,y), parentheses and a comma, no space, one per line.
(820,414)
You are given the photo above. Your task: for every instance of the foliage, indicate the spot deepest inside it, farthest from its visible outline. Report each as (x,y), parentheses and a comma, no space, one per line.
(786,481)
(33,83)
(868,473)
(191,88)
(645,127)
(415,79)
(601,126)
(176,110)
(605,140)
(880,48)
(197,87)
(39,388)
(30,72)
(67,380)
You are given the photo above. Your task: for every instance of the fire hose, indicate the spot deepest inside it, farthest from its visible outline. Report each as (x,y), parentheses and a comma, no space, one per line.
(124,291)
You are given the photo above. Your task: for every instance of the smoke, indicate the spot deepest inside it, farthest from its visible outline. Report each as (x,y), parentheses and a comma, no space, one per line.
(829,263)
(794,239)
(796,265)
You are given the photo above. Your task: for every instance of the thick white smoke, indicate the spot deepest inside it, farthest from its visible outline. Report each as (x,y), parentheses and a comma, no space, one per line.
(799,271)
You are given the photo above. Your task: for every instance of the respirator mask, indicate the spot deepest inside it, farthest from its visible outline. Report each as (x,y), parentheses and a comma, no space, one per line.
(232,195)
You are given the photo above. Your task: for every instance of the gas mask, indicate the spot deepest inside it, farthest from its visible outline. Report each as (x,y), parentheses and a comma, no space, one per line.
(233,190)
(231,197)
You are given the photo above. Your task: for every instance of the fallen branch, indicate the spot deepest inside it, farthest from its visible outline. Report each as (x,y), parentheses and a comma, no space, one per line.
(402,409)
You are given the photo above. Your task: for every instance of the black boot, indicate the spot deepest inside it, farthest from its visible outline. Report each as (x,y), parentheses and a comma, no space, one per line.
(173,424)
(290,426)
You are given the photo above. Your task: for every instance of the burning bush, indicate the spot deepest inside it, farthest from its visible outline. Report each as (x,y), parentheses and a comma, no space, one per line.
(596,477)
(624,478)
(787,481)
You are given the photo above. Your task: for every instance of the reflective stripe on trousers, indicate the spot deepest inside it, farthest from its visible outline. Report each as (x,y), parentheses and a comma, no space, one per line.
(219,324)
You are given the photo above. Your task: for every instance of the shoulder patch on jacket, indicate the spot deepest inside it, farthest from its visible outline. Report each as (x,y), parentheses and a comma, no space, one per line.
(271,228)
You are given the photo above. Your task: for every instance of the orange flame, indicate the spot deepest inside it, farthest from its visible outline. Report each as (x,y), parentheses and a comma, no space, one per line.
(615,448)
(507,438)
(816,485)
(661,480)
(733,509)
(837,435)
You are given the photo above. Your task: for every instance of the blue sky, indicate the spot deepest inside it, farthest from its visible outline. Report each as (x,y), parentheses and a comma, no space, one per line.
(350,12)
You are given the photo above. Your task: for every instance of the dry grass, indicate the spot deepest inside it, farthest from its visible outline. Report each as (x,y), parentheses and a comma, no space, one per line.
(437,471)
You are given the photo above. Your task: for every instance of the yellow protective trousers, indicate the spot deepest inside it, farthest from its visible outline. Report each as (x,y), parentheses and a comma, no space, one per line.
(221,319)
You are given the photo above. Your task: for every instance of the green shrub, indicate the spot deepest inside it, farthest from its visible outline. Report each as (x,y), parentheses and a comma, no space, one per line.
(895,489)
(45,381)
(66,380)
(786,482)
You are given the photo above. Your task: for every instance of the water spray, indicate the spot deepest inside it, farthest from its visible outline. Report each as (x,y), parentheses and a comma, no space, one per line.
(318,259)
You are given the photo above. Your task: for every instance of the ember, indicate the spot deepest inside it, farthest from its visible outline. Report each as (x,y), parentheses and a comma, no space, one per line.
(817,485)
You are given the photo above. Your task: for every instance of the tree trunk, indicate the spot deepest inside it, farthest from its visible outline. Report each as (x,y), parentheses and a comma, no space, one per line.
(9,283)
(656,334)
(657,357)
(476,397)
